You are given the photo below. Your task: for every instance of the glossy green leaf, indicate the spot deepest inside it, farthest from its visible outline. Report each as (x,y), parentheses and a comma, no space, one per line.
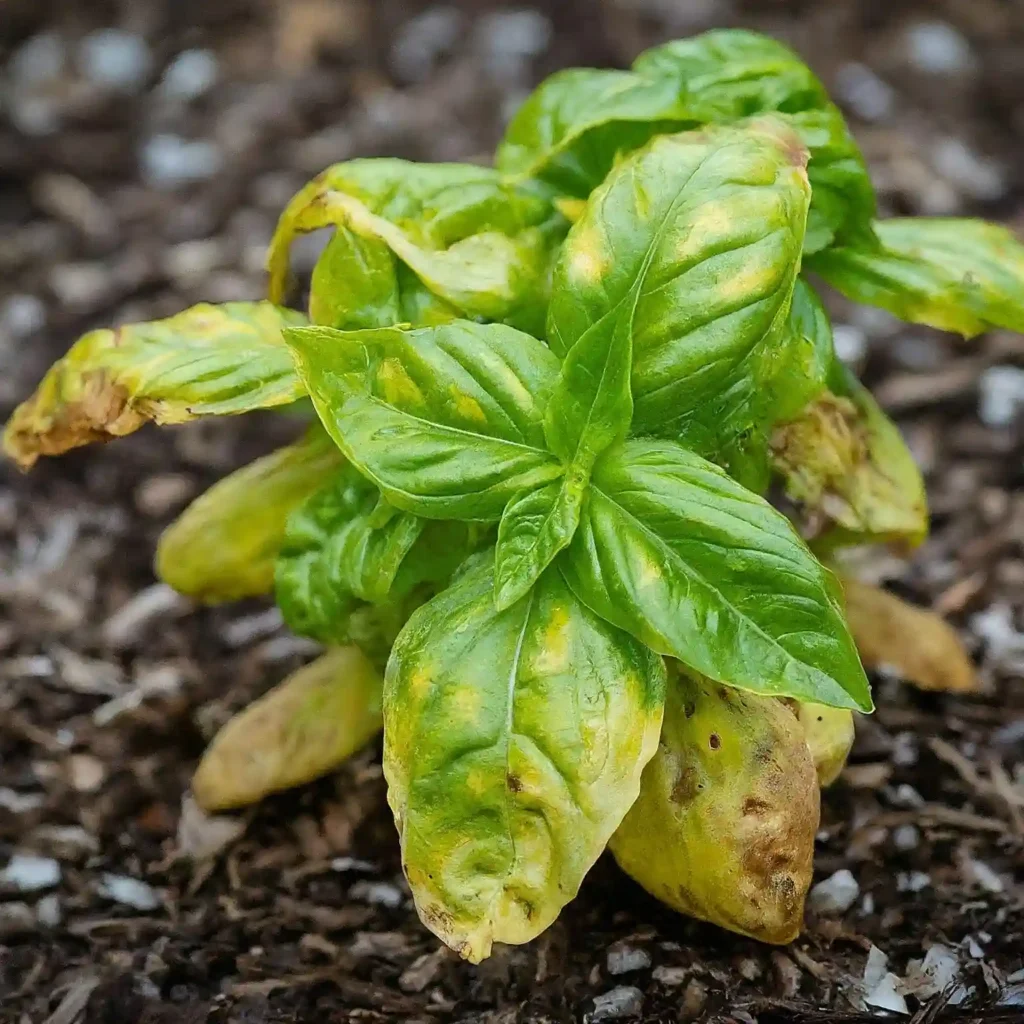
(514,743)
(473,241)
(574,125)
(224,545)
(447,421)
(846,464)
(207,361)
(673,550)
(957,275)
(691,248)
(536,525)
(345,547)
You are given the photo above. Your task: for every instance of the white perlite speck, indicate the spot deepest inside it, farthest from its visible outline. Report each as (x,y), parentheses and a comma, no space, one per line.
(836,894)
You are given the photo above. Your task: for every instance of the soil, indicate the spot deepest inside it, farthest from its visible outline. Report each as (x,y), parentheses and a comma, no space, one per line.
(110,686)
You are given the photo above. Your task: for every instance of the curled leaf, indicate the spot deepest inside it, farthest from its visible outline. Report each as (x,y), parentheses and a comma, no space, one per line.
(223,546)
(830,734)
(302,729)
(207,361)
(915,643)
(724,827)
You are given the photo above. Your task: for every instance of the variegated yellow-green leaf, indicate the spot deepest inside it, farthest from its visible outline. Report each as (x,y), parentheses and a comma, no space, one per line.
(303,728)
(476,244)
(724,826)
(954,274)
(207,361)
(691,248)
(223,546)
(514,744)
(447,421)
(830,734)
(845,462)
(698,568)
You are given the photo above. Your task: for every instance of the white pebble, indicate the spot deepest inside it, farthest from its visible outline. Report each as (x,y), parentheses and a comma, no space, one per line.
(115,59)
(619,1002)
(22,315)
(26,872)
(906,837)
(850,343)
(670,977)
(623,958)
(169,161)
(40,59)
(1002,395)
(937,48)
(886,995)
(912,881)
(976,176)
(48,912)
(129,891)
(867,95)
(191,74)
(20,803)
(382,894)
(983,875)
(836,894)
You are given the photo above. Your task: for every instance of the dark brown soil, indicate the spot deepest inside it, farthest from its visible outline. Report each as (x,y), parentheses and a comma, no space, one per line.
(109,688)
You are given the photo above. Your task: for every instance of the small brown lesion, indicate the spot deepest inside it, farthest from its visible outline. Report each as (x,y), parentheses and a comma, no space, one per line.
(514,783)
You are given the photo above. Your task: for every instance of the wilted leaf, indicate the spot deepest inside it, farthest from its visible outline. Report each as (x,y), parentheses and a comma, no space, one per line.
(223,546)
(830,734)
(207,361)
(914,643)
(725,822)
(302,729)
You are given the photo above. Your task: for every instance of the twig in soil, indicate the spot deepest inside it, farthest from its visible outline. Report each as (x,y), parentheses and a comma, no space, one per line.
(1005,799)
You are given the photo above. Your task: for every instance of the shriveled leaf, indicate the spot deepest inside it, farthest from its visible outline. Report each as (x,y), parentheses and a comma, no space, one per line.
(223,546)
(724,826)
(829,733)
(534,528)
(954,274)
(691,248)
(514,744)
(207,361)
(346,547)
(846,463)
(474,242)
(914,643)
(674,551)
(574,125)
(302,729)
(447,421)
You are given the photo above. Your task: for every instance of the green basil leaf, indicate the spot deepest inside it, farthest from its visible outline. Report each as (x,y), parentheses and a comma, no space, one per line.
(223,546)
(574,125)
(206,361)
(957,275)
(473,241)
(691,247)
(514,743)
(673,550)
(846,463)
(447,421)
(535,526)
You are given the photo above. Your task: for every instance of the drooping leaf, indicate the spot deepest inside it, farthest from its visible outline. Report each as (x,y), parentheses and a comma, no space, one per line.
(674,551)
(845,462)
(346,547)
(574,125)
(224,545)
(914,643)
(691,247)
(514,744)
(447,421)
(954,274)
(303,728)
(473,241)
(829,733)
(207,361)
(534,528)
(724,826)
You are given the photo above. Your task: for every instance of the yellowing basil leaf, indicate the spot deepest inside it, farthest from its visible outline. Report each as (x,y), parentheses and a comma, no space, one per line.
(473,241)
(674,551)
(957,275)
(846,463)
(534,528)
(574,125)
(724,827)
(223,546)
(207,361)
(514,743)
(303,728)
(691,248)
(447,421)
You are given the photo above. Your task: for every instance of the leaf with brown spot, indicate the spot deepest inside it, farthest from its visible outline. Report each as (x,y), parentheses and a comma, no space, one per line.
(206,361)
(913,642)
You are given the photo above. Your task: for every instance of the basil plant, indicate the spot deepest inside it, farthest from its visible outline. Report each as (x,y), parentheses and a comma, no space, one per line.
(529,520)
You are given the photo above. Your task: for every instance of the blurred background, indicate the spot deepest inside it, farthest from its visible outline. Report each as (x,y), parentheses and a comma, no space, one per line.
(146,149)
